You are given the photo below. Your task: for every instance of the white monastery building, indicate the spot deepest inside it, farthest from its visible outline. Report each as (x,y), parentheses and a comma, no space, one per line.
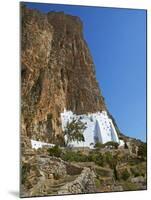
(100,128)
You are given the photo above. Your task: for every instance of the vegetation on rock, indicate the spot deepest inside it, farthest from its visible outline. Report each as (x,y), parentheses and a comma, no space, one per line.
(110,144)
(125,175)
(55,151)
(142,151)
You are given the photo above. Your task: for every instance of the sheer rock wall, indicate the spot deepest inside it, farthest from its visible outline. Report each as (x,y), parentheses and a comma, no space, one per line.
(57,72)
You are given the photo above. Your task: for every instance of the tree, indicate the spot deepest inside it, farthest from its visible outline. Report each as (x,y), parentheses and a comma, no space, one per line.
(74,131)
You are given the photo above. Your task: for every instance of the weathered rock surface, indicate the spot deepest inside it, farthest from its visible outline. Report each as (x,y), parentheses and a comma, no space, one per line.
(57,72)
(84,183)
(45,175)
(139,179)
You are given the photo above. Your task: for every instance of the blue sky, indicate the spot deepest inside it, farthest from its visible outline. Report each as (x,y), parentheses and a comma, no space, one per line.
(117,42)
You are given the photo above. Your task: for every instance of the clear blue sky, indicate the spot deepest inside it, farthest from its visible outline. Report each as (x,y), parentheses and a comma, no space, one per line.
(117,42)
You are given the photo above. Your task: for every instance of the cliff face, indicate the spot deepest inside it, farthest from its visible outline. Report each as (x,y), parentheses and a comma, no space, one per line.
(57,72)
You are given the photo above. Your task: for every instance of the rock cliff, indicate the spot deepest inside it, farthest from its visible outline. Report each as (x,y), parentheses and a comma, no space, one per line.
(57,72)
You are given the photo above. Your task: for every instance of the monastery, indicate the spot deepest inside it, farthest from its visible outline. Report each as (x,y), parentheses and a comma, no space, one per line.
(99,128)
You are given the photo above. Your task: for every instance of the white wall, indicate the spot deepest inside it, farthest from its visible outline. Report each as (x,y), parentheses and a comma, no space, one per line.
(99,125)
(38,144)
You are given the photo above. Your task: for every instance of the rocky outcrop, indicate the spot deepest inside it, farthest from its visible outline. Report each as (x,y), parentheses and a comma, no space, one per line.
(57,72)
(45,175)
(38,166)
(52,166)
(139,179)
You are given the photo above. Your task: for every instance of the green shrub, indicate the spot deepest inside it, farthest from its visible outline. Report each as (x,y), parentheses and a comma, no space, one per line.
(125,175)
(100,160)
(24,171)
(55,151)
(111,144)
(68,156)
(129,186)
(97,183)
(108,157)
(99,145)
(112,161)
(74,156)
(92,157)
(96,157)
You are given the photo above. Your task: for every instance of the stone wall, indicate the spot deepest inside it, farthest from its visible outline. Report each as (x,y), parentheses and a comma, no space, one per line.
(84,183)
(51,166)
(43,175)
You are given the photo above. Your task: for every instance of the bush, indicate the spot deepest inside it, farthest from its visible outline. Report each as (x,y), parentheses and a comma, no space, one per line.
(125,175)
(111,144)
(112,161)
(96,157)
(24,171)
(99,145)
(97,183)
(92,157)
(74,156)
(100,160)
(129,186)
(55,151)
(108,157)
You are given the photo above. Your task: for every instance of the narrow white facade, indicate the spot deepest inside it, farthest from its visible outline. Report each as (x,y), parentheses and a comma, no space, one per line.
(100,128)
